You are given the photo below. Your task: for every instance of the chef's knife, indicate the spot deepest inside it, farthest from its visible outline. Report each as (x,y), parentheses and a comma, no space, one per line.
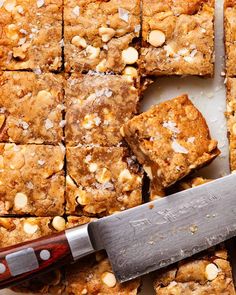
(137,241)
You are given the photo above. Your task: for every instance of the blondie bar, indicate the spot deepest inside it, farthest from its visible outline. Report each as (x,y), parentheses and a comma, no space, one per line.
(30,35)
(101,35)
(31,108)
(208,274)
(101,181)
(31,180)
(96,108)
(94,275)
(230,36)
(178,37)
(170,140)
(231,120)
(17,230)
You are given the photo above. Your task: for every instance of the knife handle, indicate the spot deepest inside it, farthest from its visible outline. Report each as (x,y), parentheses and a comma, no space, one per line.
(26,260)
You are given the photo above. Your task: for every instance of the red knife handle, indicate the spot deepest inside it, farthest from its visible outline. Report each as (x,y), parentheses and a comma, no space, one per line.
(26,260)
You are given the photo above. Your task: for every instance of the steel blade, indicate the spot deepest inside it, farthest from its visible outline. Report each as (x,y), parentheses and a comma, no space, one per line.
(159,233)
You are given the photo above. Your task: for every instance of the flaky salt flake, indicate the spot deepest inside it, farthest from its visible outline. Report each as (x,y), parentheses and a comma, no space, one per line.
(37,71)
(76,10)
(97,121)
(20,10)
(88,158)
(1,3)
(29,185)
(61,43)
(178,148)
(123,14)
(23,31)
(2,110)
(171,126)
(191,139)
(48,124)
(41,162)
(40,3)
(22,41)
(108,92)
(24,125)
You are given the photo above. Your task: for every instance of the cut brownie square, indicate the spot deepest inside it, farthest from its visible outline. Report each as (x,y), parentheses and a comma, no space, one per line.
(93,275)
(170,140)
(31,108)
(101,181)
(18,230)
(30,34)
(231,120)
(96,108)
(208,274)
(101,35)
(230,36)
(178,37)
(31,180)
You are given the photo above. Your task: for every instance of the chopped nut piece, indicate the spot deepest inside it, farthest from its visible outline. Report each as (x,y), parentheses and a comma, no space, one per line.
(78,41)
(30,228)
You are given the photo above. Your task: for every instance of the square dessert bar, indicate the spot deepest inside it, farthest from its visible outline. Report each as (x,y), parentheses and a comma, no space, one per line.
(96,108)
(18,230)
(101,35)
(208,274)
(230,36)
(31,108)
(231,120)
(31,180)
(101,181)
(178,37)
(170,140)
(30,35)
(93,275)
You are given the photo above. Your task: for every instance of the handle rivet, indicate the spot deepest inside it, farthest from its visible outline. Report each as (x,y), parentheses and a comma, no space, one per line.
(2,268)
(44,254)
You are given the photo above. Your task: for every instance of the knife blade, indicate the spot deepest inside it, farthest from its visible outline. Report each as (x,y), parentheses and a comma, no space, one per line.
(137,241)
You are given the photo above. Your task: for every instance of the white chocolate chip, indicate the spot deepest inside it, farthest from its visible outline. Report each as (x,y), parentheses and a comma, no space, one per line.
(84,291)
(20,200)
(109,279)
(93,52)
(40,3)
(124,175)
(76,10)
(79,41)
(106,33)
(130,55)
(93,167)
(156,38)
(59,223)
(30,228)
(211,271)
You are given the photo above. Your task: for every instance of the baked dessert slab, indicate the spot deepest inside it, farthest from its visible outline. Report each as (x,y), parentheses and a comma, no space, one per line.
(30,35)
(208,274)
(170,140)
(31,180)
(177,37)
(18,230)
(230,36)
(231,120)
(97,106)
(31,108)
(101,35)
(93,275)
(101,181)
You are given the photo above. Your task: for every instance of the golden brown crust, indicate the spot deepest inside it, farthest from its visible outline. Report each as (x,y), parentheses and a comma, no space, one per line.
(96,108)
(208,274)
(30,35)
(101,181)
(104,35)
(178,37)
(231,120)
(17,230)
(31,108)
(171,140)
(230,37)
(31,180)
